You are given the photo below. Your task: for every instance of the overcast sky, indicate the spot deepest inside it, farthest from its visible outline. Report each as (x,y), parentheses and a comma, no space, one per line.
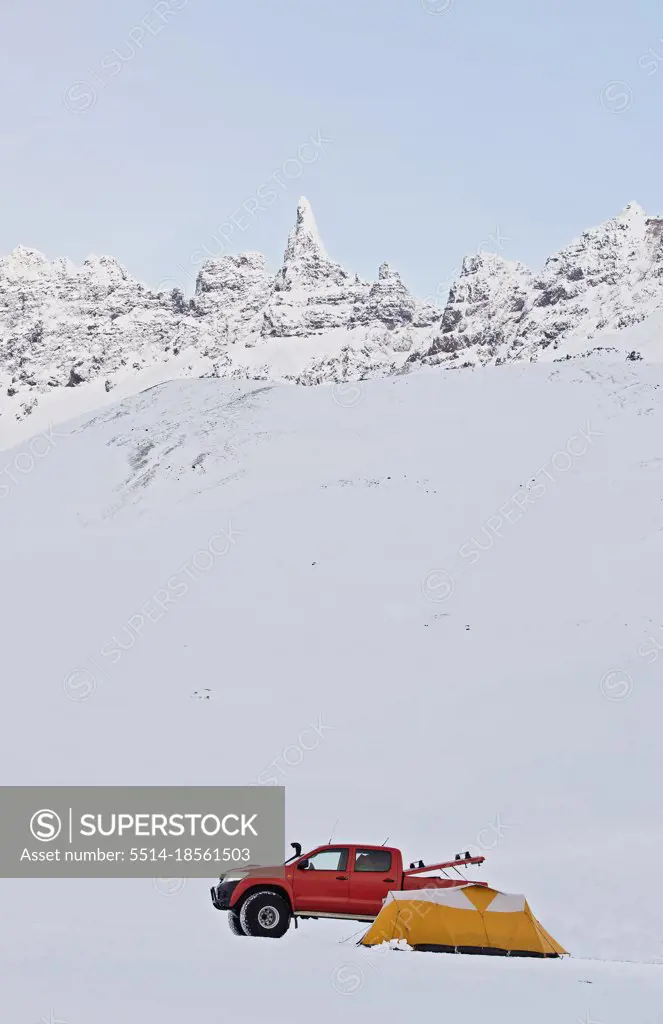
(139,129)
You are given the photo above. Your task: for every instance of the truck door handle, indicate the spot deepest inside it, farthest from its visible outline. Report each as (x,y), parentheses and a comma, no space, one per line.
(341,878)
(388,879)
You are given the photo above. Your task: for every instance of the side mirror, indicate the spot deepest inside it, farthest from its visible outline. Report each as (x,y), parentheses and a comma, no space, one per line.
(303,864)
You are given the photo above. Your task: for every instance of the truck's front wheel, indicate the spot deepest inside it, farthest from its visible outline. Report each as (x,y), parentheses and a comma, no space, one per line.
(265,914)
(234,923)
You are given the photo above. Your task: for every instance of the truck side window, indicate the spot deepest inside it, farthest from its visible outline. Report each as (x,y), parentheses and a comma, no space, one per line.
(373,860)
(329,860)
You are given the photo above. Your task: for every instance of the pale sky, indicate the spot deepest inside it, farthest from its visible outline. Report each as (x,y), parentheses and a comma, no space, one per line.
(139,129)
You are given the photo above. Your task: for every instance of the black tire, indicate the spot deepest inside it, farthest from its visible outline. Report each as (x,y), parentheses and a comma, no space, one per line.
(234,923)
(265,914)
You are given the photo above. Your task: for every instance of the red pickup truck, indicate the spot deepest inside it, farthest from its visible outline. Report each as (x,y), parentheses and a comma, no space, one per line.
(340,881)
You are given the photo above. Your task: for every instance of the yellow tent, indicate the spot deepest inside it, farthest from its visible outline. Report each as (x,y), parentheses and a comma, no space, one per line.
(462,919)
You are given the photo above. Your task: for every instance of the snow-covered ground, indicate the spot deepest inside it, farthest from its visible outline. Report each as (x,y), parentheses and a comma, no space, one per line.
(166,960)
(453,577)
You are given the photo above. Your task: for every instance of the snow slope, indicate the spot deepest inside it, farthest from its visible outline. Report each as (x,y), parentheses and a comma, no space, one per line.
(176,967)
(453,578)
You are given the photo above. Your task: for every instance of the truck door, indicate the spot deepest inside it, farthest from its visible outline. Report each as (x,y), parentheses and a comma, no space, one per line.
(373,875)
(324,884)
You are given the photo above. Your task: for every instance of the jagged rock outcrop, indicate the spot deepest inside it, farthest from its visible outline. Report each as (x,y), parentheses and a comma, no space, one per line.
(485,307)
(313,294)
(231,294)
(609,278)
(62,325)
(372,359)
(390,303)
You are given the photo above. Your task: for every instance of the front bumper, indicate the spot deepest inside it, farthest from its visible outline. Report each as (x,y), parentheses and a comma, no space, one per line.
(222,894)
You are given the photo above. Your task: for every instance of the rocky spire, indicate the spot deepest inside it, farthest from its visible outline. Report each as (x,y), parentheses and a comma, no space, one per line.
(306,263)
(306,229)
(633,210)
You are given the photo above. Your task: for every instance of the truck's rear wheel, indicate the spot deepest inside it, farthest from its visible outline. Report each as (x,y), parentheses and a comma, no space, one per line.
(234,923)
(265,914)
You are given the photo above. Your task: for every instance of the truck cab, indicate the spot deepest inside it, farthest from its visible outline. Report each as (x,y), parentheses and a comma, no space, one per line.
(345,880)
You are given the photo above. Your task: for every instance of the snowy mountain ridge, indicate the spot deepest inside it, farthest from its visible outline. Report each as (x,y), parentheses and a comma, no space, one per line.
(66,326)
(608,279)
(98,330)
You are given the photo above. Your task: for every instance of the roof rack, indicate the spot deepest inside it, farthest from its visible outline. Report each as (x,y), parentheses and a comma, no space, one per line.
(457,862)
